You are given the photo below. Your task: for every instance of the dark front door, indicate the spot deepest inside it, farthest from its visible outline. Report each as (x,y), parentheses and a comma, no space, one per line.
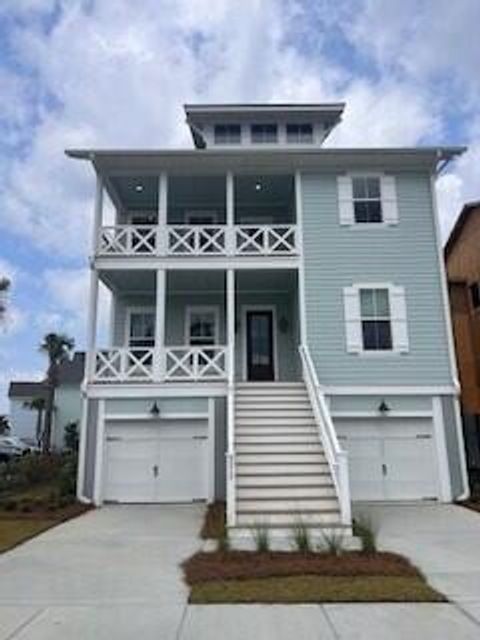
(260,345)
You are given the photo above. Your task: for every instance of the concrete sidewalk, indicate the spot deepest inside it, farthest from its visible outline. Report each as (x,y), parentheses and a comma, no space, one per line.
(114,574)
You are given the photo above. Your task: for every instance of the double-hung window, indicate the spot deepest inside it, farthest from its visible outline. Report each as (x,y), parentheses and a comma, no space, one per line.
(375,319)
(264,133)
(367,200)
(141,329)
(299,133)
(227,133)
(202,326)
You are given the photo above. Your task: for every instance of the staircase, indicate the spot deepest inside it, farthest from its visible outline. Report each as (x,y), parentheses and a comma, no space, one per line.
(281,474)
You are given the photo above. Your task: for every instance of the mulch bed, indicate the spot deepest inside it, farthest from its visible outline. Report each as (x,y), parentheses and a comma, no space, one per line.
(243,565)
(473,505)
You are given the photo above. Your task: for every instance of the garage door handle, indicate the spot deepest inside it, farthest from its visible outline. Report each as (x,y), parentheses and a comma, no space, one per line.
(155,470)
(384,469)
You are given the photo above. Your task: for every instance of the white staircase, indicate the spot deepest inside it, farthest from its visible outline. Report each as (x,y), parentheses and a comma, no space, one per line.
(282,476)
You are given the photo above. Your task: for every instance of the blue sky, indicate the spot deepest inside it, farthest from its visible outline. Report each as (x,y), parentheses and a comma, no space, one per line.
(116,73)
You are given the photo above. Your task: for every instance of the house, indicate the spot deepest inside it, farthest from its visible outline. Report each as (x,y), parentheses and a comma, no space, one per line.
(67,403)
(280,332)
(462,259)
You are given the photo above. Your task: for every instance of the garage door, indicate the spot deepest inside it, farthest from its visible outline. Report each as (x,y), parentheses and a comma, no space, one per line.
(390,459)
(155,463)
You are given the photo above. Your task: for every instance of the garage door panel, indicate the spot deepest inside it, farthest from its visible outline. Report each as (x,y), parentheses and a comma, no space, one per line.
(410,468)
(182,470)
(365,464)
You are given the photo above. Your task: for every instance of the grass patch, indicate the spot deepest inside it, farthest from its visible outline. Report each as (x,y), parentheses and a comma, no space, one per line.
(310,588)
(214,523)
(18,530)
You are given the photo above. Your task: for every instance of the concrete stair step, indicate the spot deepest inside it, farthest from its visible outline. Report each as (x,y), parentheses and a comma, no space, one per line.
(288,457)
(285,492)
(288,519)
(261,431)
(310,437)
(288,421)
(264,448)
(258,412)
(246,480)
(304,504)
(282,468)
(267,404)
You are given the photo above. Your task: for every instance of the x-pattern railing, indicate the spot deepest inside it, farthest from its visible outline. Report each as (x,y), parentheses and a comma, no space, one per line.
(121,364)
(128,239)
(196,240)
(265,240)
(196,363)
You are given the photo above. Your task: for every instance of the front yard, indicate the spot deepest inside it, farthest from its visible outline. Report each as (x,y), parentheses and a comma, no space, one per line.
(36,493)
(303,575)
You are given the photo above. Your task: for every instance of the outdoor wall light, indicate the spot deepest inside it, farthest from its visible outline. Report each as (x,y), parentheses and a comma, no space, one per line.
(154,410)
(383,408)
(139,187)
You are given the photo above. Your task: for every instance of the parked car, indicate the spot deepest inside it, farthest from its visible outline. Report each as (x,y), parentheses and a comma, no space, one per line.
(12,446)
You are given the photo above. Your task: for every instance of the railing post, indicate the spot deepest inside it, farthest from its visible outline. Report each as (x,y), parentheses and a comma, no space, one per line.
(162,239)
(160,302)
(344,484)
(230,461)
(230,215)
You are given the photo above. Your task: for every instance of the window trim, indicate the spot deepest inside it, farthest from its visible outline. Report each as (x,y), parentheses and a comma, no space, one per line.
(366,176)
(390,214)
(376,318)
(128,325)
(205,308)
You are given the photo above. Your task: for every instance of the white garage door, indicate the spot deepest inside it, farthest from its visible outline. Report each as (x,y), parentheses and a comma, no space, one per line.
(155,463)
(390,459)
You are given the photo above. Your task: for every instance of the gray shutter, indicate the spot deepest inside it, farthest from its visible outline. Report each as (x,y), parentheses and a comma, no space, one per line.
(398,314)
(353,327)
(389,199)
(345,200)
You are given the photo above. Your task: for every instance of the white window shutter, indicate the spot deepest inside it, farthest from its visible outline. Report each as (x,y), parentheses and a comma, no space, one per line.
(388,192)
(353,327)
(398,314)
(345,200)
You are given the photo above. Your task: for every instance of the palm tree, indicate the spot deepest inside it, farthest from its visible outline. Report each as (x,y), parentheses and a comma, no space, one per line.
(58,348)
(4,287)
(38,405)
(4,425)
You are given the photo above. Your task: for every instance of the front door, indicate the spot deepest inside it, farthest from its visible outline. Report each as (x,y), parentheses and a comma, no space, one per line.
(260,364)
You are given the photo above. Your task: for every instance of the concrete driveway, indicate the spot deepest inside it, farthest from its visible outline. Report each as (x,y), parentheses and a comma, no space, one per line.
(113,573)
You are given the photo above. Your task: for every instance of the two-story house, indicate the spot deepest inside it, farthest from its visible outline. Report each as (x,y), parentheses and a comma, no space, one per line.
(280,329)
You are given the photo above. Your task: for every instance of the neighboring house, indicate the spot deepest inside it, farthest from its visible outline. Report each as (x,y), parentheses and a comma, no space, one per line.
(462,257)
(279,323)
(67,403)
(23,419)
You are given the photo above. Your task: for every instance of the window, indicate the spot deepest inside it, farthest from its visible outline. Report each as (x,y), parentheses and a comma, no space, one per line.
(475,295)
(142,329)
(299,133)
(202,326)
(375,319)
(367,202)
(264,133)
(228,134)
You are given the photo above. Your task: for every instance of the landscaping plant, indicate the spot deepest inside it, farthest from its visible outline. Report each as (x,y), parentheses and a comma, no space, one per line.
(301,537)
(363,528)
(261,538)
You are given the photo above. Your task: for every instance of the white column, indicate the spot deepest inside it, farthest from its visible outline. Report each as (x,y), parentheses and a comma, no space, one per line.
(230,232)
(92,325)
(231,511)
(302,310)
(99,453)
(98,213)
(162,214)
(159,359)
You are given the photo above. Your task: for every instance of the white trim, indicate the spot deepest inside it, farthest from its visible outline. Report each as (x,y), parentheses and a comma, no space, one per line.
(461,450)
(374,390)
(259,307)
(207,308)
(82,446)
(376,414)
(211,451)
(149,418)
(99,454)
(444,289)
(191,263)
(129,311)
(441,446)
(302,307)
(90,356)
(112,318)
(159,331)
(152,390)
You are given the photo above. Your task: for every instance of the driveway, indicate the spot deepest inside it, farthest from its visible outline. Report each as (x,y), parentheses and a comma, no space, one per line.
(113,573)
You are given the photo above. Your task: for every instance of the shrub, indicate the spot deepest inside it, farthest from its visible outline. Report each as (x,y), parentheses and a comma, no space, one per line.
(71,437)
(26,508)
(261,538)
(10,505)
(333,542)
(301,537)
(363,528)
(67,478)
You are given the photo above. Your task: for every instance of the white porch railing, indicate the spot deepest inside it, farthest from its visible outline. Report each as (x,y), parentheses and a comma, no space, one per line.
(127,239)
(266,240)
(121,365)
(170,363)
(336,457)
(196,363)
(197,240)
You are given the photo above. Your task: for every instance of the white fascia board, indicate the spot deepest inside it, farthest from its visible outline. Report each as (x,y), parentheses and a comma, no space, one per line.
(199,262)
(168,390)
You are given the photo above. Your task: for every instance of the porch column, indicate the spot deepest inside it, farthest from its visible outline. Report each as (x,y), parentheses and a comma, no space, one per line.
(97,213)
(230,210)
(159,359)
(92,325)
(162,239)
(231,513)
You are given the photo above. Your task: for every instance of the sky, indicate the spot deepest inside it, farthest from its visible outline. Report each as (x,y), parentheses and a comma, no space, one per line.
(115,73)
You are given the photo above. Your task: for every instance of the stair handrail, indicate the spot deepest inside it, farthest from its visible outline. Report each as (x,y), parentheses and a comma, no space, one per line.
(230,454)
(337,457)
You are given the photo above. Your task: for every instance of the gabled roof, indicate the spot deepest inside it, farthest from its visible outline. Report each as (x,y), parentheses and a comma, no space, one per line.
(468,209)
(27,390)
(70,372)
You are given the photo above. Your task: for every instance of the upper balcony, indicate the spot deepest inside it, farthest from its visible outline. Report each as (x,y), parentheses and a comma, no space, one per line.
(200,216)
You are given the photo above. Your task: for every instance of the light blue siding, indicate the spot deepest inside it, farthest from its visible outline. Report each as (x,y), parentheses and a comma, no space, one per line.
(338,256)
(126,406)
(371,403)
(68,409)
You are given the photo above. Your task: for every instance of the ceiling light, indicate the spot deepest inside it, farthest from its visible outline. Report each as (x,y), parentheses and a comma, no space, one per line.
(258,186)
(139,188)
